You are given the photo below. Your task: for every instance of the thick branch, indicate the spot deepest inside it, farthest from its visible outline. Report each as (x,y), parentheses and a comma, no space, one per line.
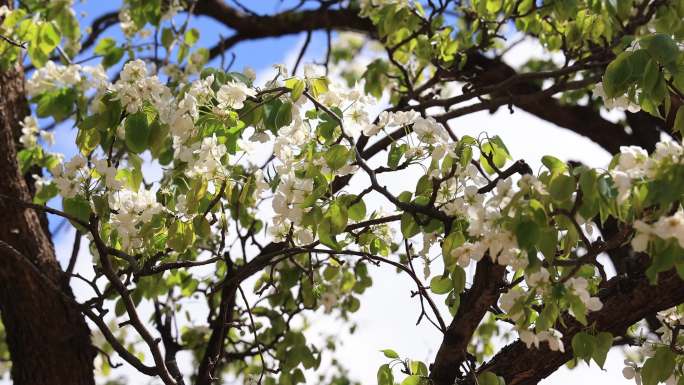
(213,354)
(583,120)
(250,26)
(487,284)
(624,303)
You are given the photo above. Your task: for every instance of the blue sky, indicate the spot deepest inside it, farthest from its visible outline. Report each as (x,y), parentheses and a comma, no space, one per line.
(256,53)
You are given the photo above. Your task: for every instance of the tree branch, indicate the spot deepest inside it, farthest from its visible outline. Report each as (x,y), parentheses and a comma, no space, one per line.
(622,307)
(251,26)
(487,285)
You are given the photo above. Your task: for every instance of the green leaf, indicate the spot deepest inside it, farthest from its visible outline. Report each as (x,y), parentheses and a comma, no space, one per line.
(296,87)
(606,187)
(547,317)
(411,380)
(119,308)
(48,38)
(191,36)
(395,154)
(318,86)
(181,235)
(77,207)
(338,217)
(441,284)
(617,77)
(587,182)
(137,132)
(661,47)
(87,140)
(452,241)
(409,226)
(603,343)
(167,38)
(357,211)
(405,196)
(46,193)
(58,103)
(104,46)
(547,243)
(389,353)
(555,165)
(419,368)
(679,121)
(385,376)
(336,157)
(283,116)
(583,345)
(579,310)
(528,233)
(487,378)
(458,276)
(375,76)
(111,54)
(659,367)
(562,187)
(494,6)
(326,235)
(651,76)
(424,187)
(202,227)
(498,153)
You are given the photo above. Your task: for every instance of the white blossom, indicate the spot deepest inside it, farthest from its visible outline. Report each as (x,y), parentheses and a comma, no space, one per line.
(233,95)
(29,132)
(130,209)
(429,131)
(622,102)
(579,287)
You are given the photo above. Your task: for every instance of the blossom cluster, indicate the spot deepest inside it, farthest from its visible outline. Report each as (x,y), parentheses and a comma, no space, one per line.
(622,102)
(666,227)
(634,164)
(670,319)
(130,209)
(483,215)
(30,132)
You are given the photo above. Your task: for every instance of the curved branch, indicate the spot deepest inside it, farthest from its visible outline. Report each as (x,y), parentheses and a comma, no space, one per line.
(488,282)
(623,305)
(249,26)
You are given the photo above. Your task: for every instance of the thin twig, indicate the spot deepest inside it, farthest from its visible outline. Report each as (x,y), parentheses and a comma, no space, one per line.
(21,45)
(302,51)
(256,340)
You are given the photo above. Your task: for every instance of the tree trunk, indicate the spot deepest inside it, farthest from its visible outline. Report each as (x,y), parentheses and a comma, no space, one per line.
(47,336)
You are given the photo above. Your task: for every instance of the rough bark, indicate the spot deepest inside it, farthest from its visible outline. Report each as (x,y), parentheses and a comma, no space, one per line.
(249,27)
(625,302)
(213,355)
(487,284)
(581,119)
(48,339)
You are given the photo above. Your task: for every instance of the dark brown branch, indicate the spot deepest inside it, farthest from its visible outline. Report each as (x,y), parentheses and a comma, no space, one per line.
(251,26)
(135,321)
(102,326)
(302,52)
(488,282)
(213,354)
(624,303)
(519,167)
(74,253)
